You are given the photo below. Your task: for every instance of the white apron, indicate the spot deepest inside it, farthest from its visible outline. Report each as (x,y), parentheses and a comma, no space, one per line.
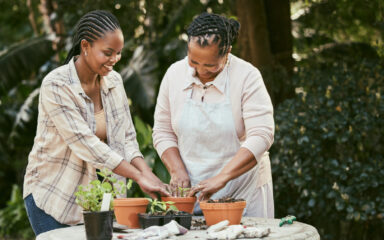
(207,141)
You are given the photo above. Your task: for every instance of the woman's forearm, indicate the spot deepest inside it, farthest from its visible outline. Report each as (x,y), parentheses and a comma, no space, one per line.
(241,163)
(145,170)
(128,170)
(147,181)
(140,164)
(172,160)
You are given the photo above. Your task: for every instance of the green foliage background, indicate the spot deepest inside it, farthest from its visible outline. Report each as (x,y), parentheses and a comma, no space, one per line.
(327,158)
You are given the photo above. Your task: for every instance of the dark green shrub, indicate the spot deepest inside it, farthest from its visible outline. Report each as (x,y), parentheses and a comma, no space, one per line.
(328,153)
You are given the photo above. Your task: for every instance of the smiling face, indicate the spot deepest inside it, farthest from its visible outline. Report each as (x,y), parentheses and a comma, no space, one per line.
(206,60)
(104,53)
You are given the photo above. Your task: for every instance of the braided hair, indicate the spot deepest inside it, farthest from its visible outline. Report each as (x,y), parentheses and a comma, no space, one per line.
(91,27)
(210,28)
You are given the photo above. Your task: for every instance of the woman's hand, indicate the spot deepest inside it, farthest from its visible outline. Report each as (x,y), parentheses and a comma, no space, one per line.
(208,187)
(175,166)
(139,171)
(157,181)
(151,186)
(179,179)
(146,172)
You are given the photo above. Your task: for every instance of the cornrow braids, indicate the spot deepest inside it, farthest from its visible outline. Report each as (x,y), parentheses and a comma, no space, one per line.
(209,28)
(92,26)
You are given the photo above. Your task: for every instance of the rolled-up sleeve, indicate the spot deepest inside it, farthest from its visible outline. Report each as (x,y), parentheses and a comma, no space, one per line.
(163,134)
(57,102)
(257,113)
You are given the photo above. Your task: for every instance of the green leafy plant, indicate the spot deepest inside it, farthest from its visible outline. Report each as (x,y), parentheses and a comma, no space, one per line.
(90,197)
(183,192)
(160,207)
(13,218)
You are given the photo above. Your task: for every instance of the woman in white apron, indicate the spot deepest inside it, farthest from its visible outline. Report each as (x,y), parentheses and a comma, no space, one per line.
(214,120)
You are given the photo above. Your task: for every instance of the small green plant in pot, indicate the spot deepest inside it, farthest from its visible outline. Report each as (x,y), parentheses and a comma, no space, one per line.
(181,199)
(98,224)
(160,213)
(157,207)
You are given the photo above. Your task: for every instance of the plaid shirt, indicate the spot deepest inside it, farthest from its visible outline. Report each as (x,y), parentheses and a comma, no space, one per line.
(66,151)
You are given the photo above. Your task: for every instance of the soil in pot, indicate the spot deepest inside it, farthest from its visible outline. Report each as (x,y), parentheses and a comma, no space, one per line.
(127,210)
(98,225)
(185,204)
(225,200)
(146,219)
(223,209)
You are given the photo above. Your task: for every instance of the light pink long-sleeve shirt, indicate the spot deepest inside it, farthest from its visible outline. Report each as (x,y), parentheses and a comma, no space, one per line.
(251,105)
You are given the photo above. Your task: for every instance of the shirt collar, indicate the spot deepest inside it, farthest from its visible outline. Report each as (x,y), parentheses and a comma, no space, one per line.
(106,83)
(219,81)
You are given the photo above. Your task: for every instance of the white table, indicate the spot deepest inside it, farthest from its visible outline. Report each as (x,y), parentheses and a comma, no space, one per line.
(295,231)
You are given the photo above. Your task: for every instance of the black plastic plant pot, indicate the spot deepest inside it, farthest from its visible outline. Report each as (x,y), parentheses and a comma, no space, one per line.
(147,220)
(184,219)
(98,225)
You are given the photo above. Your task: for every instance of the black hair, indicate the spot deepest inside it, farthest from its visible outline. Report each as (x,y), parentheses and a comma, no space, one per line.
(209,25)
(92,26)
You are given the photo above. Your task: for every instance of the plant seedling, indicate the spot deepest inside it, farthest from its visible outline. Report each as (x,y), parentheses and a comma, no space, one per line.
(90,197)
(183,192)
(157,207)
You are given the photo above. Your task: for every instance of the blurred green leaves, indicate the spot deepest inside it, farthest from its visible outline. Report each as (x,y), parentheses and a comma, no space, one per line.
(19,61)
(13,218)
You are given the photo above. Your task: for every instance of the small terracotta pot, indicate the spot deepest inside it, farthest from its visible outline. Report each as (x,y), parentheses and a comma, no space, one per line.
(217,212)
(127,210)
(185,204)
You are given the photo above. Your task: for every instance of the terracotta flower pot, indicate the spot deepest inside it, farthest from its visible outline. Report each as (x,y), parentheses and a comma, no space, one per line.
(127,210)
(217,212)
(185,204)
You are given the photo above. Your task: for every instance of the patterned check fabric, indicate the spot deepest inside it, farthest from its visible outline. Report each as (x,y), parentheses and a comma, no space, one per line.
(66,151)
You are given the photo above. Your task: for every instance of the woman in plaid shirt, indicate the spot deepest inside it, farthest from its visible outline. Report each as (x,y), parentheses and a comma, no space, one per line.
(84,124)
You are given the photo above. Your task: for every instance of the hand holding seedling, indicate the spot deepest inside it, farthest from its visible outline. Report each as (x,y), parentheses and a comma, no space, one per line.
(179,180)
(208,187)
(180,191)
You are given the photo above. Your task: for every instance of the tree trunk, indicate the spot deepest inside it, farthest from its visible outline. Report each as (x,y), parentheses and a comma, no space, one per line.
(265,40)
(280,37)
(254,39)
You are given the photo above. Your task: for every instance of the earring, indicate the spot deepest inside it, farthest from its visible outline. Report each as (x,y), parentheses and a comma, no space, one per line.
(85,53)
